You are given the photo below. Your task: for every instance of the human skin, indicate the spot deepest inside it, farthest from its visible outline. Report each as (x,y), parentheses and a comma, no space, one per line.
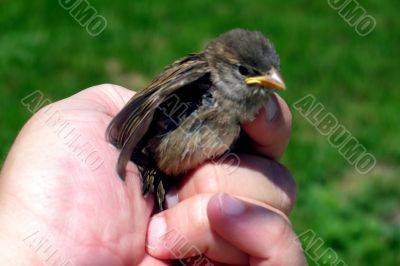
(62,203)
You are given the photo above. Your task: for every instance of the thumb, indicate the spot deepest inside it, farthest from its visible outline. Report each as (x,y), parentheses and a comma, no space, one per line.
(264,234)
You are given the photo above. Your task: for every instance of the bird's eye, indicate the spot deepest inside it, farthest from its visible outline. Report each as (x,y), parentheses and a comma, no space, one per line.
(244,70)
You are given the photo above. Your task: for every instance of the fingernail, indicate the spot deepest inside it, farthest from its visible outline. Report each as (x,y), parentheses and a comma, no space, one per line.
(271,108)
(172,198)
(157,229)
(231,206)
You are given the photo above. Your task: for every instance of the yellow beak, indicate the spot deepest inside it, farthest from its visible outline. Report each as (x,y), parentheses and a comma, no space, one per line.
(272,80)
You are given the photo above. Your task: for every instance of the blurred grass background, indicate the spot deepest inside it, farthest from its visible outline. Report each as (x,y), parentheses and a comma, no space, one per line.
(358,216)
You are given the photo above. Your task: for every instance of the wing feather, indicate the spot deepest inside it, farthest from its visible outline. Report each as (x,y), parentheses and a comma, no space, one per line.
(130,125)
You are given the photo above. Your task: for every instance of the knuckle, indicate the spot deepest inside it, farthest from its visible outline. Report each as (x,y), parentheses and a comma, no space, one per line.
(208,179)
(198,224)
(198,214)
(279,229)
(287,188)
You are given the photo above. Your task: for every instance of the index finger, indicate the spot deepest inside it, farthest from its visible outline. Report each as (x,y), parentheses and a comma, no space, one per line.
(270,131)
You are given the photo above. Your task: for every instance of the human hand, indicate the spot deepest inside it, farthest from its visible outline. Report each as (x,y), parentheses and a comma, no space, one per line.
(59,185)
(55,189)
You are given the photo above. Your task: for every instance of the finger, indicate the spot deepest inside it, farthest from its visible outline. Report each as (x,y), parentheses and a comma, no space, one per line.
(270,131)
(183,231)
(111,98)
(255,177)
(199,261)
(151,261)
(262,233)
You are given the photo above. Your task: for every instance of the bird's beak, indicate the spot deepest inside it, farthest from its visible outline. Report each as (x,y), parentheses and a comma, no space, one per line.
(272,80)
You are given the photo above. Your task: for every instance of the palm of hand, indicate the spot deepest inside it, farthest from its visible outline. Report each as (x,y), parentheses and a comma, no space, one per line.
(91,216)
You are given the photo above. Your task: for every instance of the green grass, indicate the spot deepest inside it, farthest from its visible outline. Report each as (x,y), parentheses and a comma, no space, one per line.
(43,48)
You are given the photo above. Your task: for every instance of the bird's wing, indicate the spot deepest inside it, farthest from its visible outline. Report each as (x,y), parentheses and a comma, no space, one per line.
(130,125)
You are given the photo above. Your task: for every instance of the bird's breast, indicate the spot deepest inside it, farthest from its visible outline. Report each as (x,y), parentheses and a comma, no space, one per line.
(206,134)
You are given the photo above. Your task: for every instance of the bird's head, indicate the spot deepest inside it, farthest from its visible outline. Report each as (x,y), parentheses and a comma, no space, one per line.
(244,66)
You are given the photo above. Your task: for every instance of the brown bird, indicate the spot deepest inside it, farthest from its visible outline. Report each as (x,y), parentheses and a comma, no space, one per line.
(192,112)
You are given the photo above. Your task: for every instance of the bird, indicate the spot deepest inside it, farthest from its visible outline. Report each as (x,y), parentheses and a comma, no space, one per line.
(192,111)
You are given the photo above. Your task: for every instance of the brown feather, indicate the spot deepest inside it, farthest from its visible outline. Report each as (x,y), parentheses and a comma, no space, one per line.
(130,125)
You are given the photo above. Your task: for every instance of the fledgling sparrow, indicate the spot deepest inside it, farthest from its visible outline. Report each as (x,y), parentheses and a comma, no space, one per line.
(192,112)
